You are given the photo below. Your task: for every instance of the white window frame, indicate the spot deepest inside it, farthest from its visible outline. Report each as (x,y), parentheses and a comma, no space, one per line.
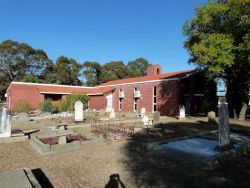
(135,101)
(154,106)
(120,101)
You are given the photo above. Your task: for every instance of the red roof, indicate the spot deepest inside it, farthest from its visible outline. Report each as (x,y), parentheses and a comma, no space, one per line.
(62,89)
(98,90)
(179,74)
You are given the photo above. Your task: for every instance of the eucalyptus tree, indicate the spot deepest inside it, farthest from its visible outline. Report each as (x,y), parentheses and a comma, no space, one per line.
(218,40)
(20,62)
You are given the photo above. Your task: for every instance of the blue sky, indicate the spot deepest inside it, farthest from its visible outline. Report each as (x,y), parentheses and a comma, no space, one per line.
(102,30)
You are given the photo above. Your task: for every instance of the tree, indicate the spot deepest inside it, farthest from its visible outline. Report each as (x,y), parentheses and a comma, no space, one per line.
(92,72)
(20,62)
(49,74)
(210,99)
(219,42)
(112,71)
(138,67)
(67,71)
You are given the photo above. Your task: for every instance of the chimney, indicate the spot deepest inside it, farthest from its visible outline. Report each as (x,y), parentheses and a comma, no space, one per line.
(154,69)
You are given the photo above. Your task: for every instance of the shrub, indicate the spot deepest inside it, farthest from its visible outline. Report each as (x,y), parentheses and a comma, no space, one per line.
(23,106)
(56,106)
(1,105)
(63,105)
(47,106)
(73,98)
(69,103)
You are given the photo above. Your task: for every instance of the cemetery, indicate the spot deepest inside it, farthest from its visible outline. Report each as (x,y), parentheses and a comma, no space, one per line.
(164,141)
(112,94)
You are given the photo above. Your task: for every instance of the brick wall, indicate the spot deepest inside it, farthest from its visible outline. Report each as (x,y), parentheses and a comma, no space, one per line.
(27,93)
(97,102)
(168,98)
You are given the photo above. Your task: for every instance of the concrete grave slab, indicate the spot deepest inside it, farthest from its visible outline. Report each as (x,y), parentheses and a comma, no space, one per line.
(23,178)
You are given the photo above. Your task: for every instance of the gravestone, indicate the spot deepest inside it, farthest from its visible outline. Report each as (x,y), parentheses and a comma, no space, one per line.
(112,114)
(143,111)
(78,111)
(102,112)
(224,134)
(23,117)
(5,124)
(156,117)
(182,111)
(62,139)
(211,117)
(145,120)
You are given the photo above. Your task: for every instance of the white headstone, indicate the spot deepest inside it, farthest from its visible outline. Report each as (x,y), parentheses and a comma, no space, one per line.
(211,117)
(182,111)
(143,111)
(112,114)
(78,111)
(5,124)
(145,120)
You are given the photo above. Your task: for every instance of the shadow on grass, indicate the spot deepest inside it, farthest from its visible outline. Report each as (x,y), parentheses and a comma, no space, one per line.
(175,170)
(42,178)
(115,182)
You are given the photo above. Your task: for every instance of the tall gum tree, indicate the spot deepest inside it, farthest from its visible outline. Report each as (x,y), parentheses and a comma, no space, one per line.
(218,41)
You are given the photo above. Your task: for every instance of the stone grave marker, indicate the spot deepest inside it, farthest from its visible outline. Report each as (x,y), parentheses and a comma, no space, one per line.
(182,111)
(5,124)
(224,134)
(211,117)
(143,111)
(23,117)
(156,117)
(112,114)
(102,112)
(78,111)
(63,138)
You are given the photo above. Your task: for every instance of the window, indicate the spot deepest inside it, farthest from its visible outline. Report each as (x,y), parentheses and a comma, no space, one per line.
(135,104)
(120,101)
(120,104)
(154,98)
(158,71)
(135,100)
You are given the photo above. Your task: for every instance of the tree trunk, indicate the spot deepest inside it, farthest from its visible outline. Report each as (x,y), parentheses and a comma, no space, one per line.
(243,111)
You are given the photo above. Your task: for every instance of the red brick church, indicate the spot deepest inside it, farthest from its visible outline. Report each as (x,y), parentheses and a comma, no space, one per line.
(154,92)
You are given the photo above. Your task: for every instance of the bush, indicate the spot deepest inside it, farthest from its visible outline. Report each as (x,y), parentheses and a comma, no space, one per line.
(69,103)
(47,106)
(56,106)
(63,105)
(73,98)
(23,106)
